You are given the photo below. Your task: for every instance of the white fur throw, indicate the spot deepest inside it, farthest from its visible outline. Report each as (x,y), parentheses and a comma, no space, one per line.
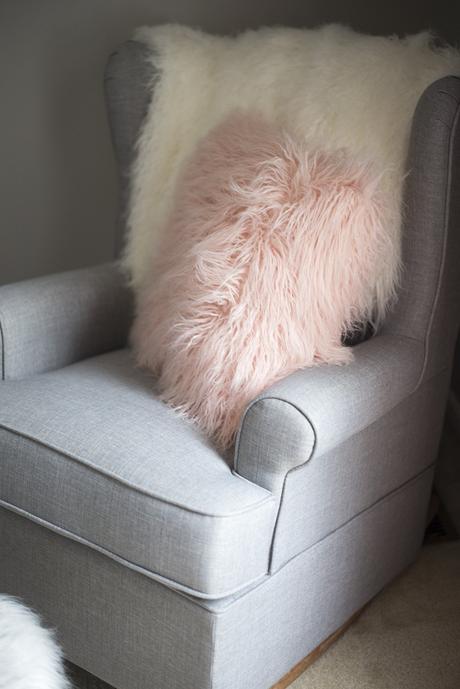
(333,87)
(30,658)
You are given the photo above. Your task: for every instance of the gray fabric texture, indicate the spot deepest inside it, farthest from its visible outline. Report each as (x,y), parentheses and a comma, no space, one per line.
(325,442)
(127,82)
(319,408)
(329,490)
(81,679)
(418,340)
(319,590)
(89,450)
(429,303)
(277,434)
(52,321)
(136,634)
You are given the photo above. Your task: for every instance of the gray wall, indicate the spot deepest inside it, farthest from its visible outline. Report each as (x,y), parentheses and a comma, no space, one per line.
(58,180)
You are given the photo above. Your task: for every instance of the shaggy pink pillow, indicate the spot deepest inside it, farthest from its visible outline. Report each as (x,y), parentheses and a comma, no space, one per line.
(270,254)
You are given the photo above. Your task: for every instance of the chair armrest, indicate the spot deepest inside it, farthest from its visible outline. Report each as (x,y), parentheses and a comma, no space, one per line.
(53,321)
(313,410)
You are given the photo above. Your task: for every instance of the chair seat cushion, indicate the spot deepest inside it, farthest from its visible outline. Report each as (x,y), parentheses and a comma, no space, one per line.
(88,451)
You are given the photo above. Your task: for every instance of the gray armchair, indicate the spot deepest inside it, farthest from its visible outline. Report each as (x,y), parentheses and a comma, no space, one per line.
(161,564)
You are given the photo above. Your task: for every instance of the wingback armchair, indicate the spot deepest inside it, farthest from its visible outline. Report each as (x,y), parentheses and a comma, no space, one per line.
(163,565)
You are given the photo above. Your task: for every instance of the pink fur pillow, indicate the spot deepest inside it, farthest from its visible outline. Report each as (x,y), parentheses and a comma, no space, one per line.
(270,255)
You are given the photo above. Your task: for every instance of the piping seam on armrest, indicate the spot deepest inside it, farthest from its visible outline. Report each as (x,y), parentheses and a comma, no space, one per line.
(291,470)
(452,138)
(277,399)
(299,466)
(84,462)
(281,494)
(368,508)
(169,582)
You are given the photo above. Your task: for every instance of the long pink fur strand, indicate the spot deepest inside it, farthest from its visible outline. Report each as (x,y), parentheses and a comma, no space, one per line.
(271,253)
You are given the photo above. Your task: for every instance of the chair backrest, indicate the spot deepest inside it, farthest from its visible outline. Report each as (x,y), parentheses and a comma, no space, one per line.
(127,84)
(428,308)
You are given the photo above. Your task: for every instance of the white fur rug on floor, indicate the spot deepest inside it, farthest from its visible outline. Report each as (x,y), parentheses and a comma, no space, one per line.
(331,86)
(30,657)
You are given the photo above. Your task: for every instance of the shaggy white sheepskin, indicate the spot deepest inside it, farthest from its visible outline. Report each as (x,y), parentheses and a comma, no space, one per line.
(331,86)
(29,655)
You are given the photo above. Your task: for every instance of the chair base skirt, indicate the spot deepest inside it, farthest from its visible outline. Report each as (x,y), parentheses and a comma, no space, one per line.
(83,680)
(134,633)
(305,663)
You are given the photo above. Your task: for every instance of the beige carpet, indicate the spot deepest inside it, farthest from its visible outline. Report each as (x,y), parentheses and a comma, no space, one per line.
(408,638)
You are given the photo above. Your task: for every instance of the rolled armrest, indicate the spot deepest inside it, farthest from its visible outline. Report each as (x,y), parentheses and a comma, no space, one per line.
(315,409)
(53,321)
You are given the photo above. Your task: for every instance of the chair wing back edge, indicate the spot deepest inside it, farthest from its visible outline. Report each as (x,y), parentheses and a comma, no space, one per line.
(127,86)
(428,309)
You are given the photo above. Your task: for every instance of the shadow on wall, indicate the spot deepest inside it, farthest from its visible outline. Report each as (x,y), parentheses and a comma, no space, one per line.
(58,177)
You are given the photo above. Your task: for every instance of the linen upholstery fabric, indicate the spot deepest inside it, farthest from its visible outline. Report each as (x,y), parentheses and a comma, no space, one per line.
(89,450)
(146,636)
(331,489)
(128,85)
(137,633)
(420,333)
(321,407)
(52,321)
(429,305)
